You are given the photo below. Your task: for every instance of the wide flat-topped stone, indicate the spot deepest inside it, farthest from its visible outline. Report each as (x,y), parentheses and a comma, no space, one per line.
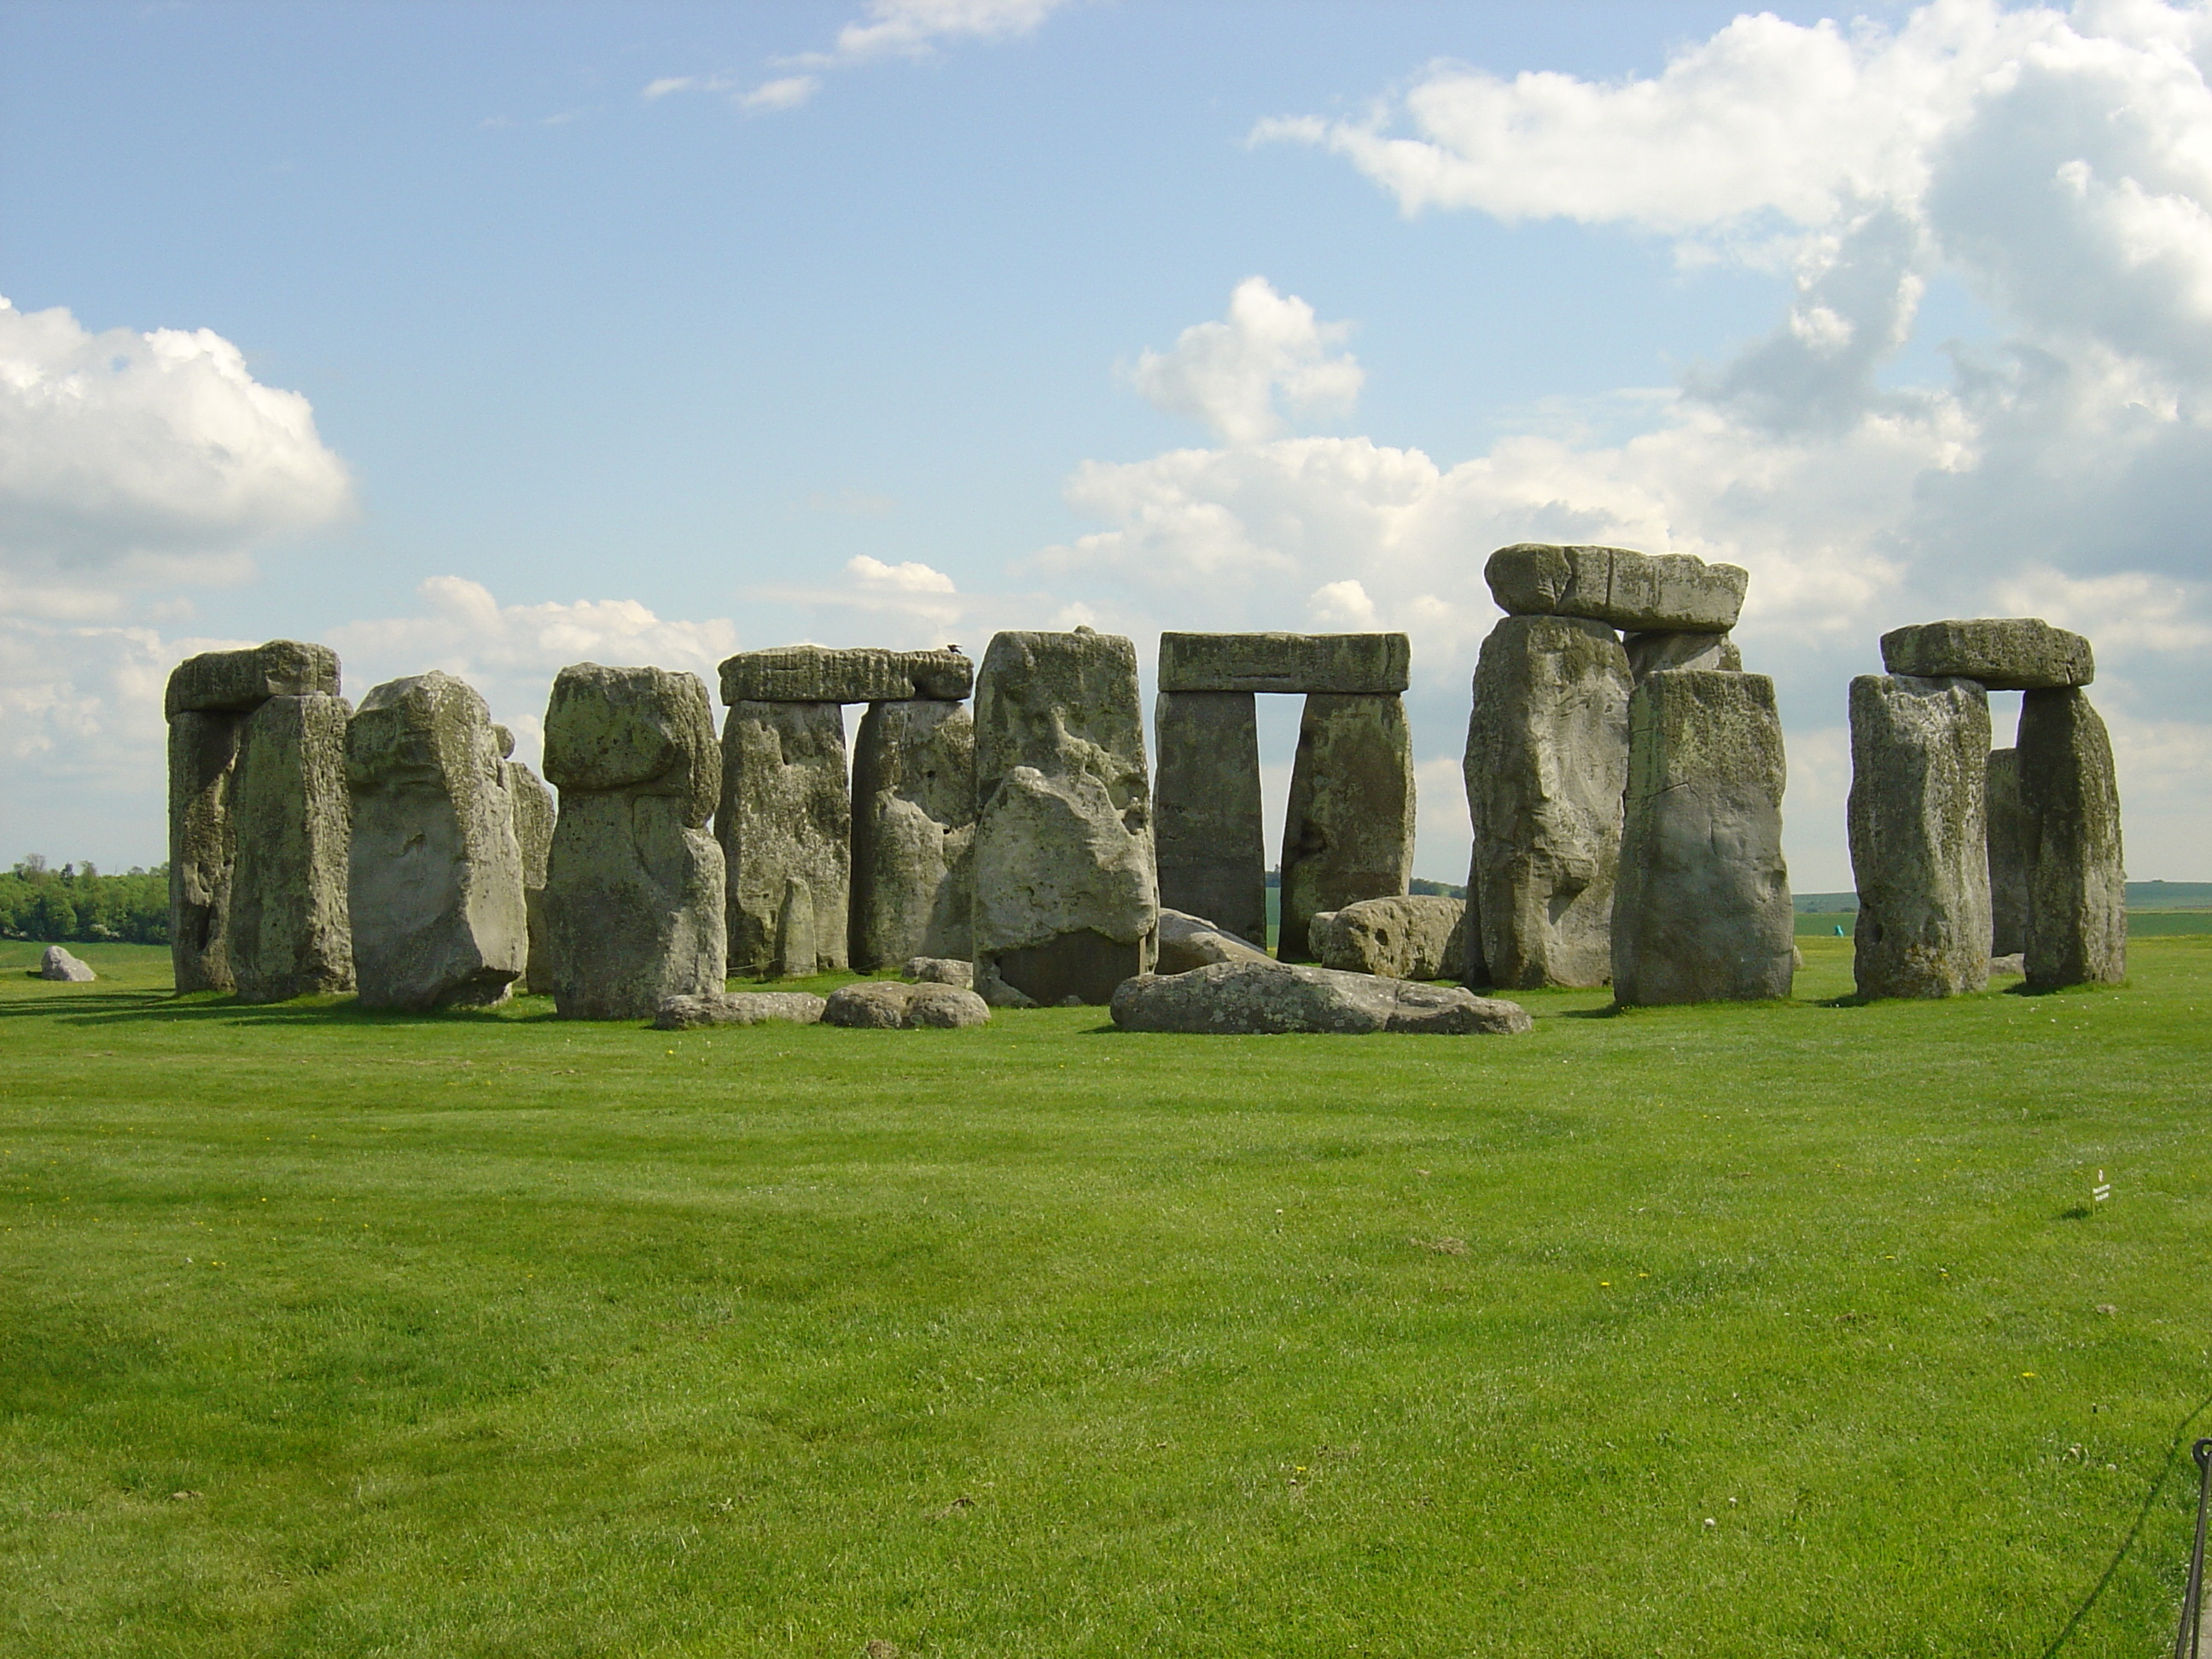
(238,682)
(821,673)
(2005,654)
(1673,592)
(1372,665)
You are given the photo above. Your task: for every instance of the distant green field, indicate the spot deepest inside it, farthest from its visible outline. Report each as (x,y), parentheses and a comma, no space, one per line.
(2141,924)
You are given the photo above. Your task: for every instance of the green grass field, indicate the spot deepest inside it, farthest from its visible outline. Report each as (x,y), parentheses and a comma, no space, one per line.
(1782,1330)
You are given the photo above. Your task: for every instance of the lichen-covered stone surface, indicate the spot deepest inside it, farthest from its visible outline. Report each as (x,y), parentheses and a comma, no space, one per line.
(1547,762)
(1412,936)
(2004,654)
(435,873)
(1366,664)
(914,832)
(1919,844)
(1653,654)
(1348,832)
(240,682)
(535,816)
(203,758)
(2070,797)
(940,971)
(817,673)
(1643,592)
(2007,829)
(785,817)
(60,966)
(1207,818)
(287,933)
(1701,910)
(891,1004)
(1272,998)
(1188,942)
(683,1013)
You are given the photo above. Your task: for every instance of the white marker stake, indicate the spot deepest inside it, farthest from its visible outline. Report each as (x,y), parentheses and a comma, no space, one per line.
(2102,1190)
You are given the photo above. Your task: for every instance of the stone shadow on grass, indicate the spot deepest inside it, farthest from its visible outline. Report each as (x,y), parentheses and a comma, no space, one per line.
(164,1007)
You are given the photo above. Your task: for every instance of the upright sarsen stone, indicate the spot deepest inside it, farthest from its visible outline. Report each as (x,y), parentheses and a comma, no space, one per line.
(913,829)
(1701,911)
(1207,816)
(1919,843)
(785,817)
(288,933)
(2007,854)
(1348,834)
(2070,797)
(1547,762)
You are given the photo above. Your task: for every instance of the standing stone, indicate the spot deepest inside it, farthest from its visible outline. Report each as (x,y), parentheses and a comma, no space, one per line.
(1701,911)
(534,817)
(1546,761)
(1066,905)
(785,816)
(2007,855)
(2070,797)
(634,886)
(288,933)
(1212,838)
(435,888)
(1919,842)
(797,954)
(1348,834)
(62,966)
(914,830)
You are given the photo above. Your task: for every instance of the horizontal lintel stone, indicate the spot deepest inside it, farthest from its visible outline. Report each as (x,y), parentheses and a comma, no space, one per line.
(1643,592)
(2004,654)
(238,682)
(1345,665)
(817,673)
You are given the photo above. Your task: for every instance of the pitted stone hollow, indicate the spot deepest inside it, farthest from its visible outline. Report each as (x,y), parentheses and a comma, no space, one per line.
(238,682)
(1360,665)
(2004,654)
(819,673)
(1645,591)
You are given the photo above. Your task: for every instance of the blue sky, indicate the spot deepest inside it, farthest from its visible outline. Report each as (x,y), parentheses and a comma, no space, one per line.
(529,339)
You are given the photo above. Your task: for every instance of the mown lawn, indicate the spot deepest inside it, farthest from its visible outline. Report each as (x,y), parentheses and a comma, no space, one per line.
(1774,1331)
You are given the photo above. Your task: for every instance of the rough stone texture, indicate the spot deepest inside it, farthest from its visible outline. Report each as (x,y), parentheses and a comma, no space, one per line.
(893,1004)
(785,817)
(1701,911)
(797,953)
(1267,998)
(240,682)
(202,756)
(738,1008)
(1919,847)
(535,816)
(913,833)
(1653,654)
(2069,798)
(1348,834)
(1207,814)
(288,934)
(2012,964)
(1065,902)
(58,964)
(2008,853)
(633,885)
(940,971)
(1357,665)
(1188,942)
(1546,761)
(816,673)
(1415,936)
(1645,591)
(435,880)
(2005,654)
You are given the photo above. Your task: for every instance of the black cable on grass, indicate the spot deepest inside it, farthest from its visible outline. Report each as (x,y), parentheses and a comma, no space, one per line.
(2173,1453)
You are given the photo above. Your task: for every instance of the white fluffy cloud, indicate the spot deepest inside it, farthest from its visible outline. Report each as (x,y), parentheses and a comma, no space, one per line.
(1230,375)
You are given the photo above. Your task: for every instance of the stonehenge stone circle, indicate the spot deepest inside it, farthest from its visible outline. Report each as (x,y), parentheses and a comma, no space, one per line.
(684,1013)
(913,831)
(1701,909)
(1348,834)
(1355,664)
(57,964)
(2005,654)
(534,817)
(240,682)
(2007,830)
(1546,762)
(785,821)
(1066,903)
(1641,592)
(2077,913)
(816,673)
(1651,653)
(1919,842)
(1412,936)
(1272,998)
(1188,942)
(891,1004)
(1208,823)
(288,933)
(634,886)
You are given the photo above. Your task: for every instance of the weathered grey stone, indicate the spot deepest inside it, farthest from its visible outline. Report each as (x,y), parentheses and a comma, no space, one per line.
(895,1005)
(1643,592)
(785,816)
(1356,665)
(739,1008)
(1206,817)
(240,682)
(817,673)
(1919,847)
(1348,834)
(434,883)
(1267,998)
(534,818)
(203,845)
(796,952)
(2005,654)
(58,964)
(633,885)
(1701,911)
(1654,654)
(940,971)
(1065,902)
(1188,942)
(1413,936)
(1546,761)
(2069,798)
(2012,965)
(2008,853)
(286,933)
(914,832)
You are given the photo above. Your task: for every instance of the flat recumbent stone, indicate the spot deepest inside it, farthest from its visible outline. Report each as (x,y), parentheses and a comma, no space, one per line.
(1367,664)
(2004,654)
(818,673)
(1670,592)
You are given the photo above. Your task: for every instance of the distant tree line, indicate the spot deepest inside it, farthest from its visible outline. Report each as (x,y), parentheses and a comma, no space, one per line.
(77,903)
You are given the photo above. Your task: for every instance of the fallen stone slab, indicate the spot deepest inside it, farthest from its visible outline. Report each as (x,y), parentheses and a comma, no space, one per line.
(1412,936)
(2005,654)
(1369,664)
(887,1005)
(682,1014)
(817,673)
(1655,653)
(940,971)
(1643,592)
(1348,830)
(58,964)
(1188,942)
(2070,796)
(239,682)
(1266,999)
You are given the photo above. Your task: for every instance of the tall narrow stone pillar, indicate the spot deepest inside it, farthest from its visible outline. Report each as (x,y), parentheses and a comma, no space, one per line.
(202,756)
(2077,907)
(786,817)
(914,828)
(535,816)
(1212,836)
(1348,834)
(289,933)
(1919,842)
(2007,854)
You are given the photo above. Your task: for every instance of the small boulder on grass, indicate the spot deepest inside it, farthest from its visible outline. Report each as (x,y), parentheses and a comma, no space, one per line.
(941,970)
(1255,999)
(898,1005)
(738,1008)
(59,964)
